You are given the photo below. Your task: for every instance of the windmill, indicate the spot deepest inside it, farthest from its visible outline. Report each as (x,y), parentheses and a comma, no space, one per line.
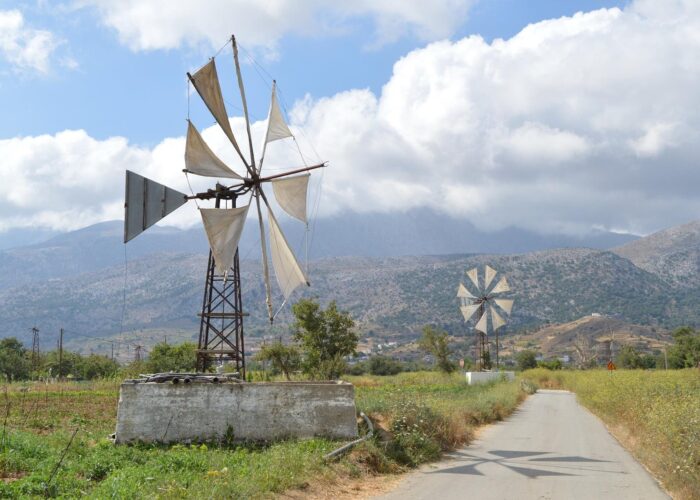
(147,202)
(485,300)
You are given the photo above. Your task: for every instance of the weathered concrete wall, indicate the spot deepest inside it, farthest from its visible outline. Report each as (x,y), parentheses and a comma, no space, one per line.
(167,412)
(482,377)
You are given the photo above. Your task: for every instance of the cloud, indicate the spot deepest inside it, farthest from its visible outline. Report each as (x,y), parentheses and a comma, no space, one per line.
(23,47)
(163,24)
(588,121)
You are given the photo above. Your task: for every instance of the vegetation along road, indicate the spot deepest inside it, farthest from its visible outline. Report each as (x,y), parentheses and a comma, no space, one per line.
(550,448)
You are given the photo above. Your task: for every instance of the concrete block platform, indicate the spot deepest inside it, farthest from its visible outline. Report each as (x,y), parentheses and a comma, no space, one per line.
(166,412)
(483,377)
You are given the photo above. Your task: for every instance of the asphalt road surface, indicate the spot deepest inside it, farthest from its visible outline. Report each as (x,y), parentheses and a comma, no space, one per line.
(551,448)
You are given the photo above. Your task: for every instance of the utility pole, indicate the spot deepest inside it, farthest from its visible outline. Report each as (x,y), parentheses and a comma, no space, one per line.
(35,348)
(112,350)
(137,353)
(60,354)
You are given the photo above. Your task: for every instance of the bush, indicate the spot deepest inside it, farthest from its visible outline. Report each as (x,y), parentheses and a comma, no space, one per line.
(382,365)
(526,359)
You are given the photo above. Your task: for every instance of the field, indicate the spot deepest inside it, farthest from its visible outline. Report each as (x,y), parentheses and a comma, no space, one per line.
(655,414)
(54,442)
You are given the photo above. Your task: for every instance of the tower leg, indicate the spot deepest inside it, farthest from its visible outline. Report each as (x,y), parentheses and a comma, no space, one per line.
(221,319)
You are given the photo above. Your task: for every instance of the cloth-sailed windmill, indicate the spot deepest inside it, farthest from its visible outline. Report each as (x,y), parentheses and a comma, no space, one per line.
(483,301)
(147,202)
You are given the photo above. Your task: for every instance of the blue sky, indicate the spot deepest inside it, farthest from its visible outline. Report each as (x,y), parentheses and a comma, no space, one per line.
(548,115)
(141,95)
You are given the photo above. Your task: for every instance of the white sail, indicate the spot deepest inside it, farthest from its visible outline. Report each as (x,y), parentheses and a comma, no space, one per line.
(468,311)
(481,324)
(474,276)
(224,227)
(496,320)
(489,275)
(290,193)
(501,286)
(287,270)
(463,293)
(206,82)
(505,304)
(201,160)
(276,126)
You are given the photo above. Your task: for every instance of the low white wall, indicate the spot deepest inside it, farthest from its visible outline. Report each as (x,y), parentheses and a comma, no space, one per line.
(482,377)
(168,412)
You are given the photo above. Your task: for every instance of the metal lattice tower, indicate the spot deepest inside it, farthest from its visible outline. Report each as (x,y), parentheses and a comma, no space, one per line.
(221,319)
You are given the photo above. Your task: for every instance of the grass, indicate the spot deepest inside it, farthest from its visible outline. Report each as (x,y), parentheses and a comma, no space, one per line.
(417,415)
(656,414)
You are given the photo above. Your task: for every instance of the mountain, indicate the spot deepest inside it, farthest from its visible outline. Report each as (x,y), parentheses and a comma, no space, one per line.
(672,254)
(81,281)
(390,298)
(379,235)
(593,332)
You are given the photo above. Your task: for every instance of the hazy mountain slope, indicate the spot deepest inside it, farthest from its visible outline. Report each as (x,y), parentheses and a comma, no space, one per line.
(413,233)
(389,297)
(673,254)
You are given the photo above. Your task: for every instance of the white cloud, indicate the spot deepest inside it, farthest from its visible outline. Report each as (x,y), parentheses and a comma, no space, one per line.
(23,47)
(163,24)
(575,123)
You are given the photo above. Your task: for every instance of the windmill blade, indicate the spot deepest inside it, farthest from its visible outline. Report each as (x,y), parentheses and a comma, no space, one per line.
(288,272)
(146,202)
(224,227)
(481,325)
(474,276)
(468,311)
(276,125)
(505,304)
(266,269)
(290,193)
(201,160)
(243,99)
(501,286)
(206,82)
(496,319)
(489,275)
(463,293)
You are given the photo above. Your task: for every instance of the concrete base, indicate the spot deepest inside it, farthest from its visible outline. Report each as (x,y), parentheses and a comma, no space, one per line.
(483,377)
(166,412)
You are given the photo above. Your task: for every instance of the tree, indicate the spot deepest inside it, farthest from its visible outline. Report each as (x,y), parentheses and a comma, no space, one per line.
(383,365)
(436,343)
(284,358)
(14,364)
(685,353)
(325,336)
(165,357)
(96,366)
(553,364)
(526,359)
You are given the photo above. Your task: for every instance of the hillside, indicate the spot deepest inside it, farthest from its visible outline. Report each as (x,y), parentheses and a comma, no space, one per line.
(391,298)
(672,254)
(592,332)
(374,235)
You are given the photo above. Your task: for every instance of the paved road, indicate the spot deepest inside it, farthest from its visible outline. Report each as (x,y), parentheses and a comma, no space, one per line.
(551,448)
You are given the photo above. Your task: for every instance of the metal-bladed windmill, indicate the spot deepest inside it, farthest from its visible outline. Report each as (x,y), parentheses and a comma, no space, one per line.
(147,202)
(485,301)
